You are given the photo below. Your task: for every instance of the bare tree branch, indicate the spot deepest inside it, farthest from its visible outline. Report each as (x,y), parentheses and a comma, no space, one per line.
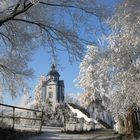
(15,13)
(25,25)
(70,6)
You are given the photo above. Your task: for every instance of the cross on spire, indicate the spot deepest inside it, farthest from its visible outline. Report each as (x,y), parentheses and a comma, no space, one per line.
(53,67)
(53,60)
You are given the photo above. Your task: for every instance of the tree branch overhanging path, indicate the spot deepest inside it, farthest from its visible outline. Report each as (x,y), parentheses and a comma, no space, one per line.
(23,7)
(27,24)
(68,36)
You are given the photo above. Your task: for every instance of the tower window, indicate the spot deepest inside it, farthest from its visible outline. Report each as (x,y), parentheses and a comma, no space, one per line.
(50,94)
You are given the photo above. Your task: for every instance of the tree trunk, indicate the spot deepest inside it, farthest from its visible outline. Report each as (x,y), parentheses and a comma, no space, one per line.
(120,127)
(129,123)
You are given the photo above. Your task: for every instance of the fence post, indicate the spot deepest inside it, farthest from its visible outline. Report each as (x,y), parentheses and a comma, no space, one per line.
(41,121)
(13,118)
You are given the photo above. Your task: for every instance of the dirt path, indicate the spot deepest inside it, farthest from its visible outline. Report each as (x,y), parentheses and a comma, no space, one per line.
(54,133)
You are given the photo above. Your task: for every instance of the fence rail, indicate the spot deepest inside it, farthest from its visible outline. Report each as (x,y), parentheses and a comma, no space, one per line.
(14,117)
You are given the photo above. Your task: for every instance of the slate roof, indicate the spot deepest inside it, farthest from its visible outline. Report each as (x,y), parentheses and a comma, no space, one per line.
(53,72)
(61,82)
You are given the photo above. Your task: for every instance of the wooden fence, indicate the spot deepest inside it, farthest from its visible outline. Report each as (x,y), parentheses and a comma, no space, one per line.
(15,118)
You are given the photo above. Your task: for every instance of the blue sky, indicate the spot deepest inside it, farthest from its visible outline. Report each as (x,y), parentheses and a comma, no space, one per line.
(41,64)
(68,72)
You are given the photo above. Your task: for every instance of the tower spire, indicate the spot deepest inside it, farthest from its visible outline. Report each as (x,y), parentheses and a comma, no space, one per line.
(53,67)
(53,60)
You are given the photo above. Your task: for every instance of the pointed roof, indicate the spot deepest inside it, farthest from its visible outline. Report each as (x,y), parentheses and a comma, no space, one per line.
(53,71)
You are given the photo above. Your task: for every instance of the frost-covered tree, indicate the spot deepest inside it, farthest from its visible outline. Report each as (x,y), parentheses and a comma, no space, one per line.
(54,23)
(93,75)
(25,24)
(125,60)
(14,68)
(85,99)
(72,98)
(94,79)
(38,92)
(25,99)
(115,72)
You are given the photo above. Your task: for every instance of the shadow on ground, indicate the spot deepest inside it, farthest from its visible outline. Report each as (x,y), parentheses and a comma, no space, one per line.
(8,134)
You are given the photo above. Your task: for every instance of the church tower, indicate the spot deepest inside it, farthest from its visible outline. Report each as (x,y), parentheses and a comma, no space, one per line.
(53,88)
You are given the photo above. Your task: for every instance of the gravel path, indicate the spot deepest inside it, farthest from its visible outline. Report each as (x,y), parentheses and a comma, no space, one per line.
(54,133)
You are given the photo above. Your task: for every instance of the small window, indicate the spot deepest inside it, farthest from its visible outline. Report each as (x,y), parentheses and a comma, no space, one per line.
(50,94)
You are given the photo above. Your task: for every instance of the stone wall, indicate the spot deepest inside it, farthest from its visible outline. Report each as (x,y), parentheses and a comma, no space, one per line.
(74,124)
(78,127)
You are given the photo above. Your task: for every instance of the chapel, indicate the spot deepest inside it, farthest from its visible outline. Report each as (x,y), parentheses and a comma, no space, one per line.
(53,88)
